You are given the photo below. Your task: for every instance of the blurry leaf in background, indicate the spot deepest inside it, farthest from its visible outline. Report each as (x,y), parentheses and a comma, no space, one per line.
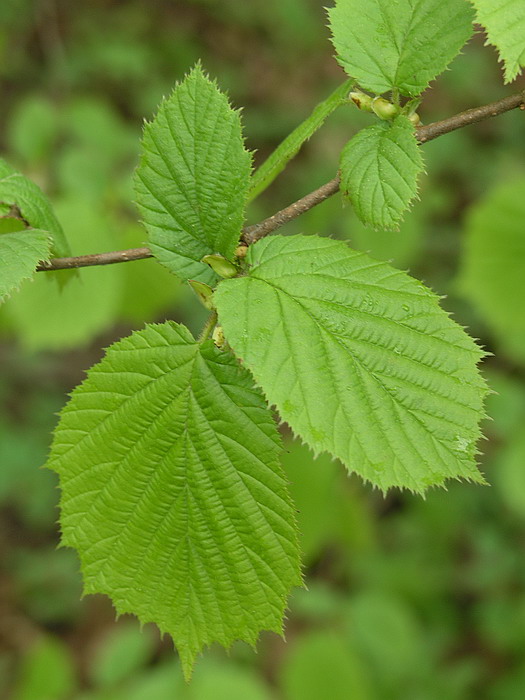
(401,247)
(149,288)
(386,633)
(313,486)
(125,649)
(47,318)
(225,681)
(99,150)
(505,404)
(33,129)
(509,472)
(46,672)
(48,582)
(492,274)
(322,664)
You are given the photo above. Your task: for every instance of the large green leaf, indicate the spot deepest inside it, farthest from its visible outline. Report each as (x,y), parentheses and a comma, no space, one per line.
(20,253)
(492,275)
(277,161)
(172,492)
(193,178)
(403,44)
(359,360)
(17,191)
(379,170)
(504,21)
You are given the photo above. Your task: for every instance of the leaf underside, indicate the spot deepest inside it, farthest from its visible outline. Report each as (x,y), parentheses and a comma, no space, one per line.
(20,253)
(504,21)
(172,492)
(379,168)
(402,45)
(359,360)
(17,191)
(192,182)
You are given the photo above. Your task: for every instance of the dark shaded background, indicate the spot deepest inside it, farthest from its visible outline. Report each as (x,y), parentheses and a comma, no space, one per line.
(408,599)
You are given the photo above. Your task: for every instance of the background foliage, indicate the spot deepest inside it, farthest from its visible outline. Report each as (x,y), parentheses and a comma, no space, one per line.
(407,598)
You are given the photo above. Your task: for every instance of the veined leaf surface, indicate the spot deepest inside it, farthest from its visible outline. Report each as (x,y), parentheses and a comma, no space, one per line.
(359,360)
(172,492)
(401,44)
(504,21)
(193,178)
(379,170)
(20,253)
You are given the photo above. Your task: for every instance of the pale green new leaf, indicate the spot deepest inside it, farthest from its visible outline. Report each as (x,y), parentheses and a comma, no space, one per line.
(172,492)
(277,161)
(504,21)
(403,44)
(193,178)
(17,191)
(359,360)
(20,253)
(492,273)
(379,168)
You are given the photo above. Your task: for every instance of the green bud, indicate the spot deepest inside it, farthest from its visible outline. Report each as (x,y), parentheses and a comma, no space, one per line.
(384,109)
(220,265)
(361,100)
(204,293)
(415,119)
(218,337)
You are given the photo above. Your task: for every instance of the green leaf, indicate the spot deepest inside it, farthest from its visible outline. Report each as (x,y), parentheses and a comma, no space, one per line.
(379,170)
(172,492)
(193,178)
(17,191)
(124,650)
(492,272)
(20,253)
(277,161)
(504,21)
(359,360)
(322,665)
(47,672)
(402,45)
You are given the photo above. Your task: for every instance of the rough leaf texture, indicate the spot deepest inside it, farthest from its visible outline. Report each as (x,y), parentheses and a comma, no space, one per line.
(16,190)
(379,170)
(20,253)
(193,178)
(172,492)
(504,21)
(401,44)
(359,360)
(493,264)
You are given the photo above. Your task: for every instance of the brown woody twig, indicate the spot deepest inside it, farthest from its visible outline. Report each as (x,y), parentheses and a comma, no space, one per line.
(255,232)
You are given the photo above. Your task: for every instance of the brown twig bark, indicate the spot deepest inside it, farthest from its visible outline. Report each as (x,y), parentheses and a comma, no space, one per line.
(253,233)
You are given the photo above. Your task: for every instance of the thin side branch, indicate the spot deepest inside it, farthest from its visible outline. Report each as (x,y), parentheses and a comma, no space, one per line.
(115,256)
(251,234)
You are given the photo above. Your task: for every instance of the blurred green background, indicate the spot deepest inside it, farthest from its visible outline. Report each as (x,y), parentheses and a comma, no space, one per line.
(407,598)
